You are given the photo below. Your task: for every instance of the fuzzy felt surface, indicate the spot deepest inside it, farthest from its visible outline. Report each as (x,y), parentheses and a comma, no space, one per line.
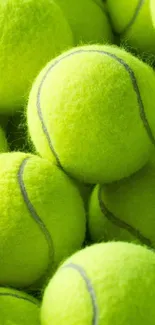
(42,218)
(87,20)
(133,22)
(124,210)
(31,33)
(103,284)
(91,110)
(152,6)
(18,308)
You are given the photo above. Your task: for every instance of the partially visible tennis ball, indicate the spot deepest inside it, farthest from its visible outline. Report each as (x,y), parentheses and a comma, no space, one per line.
(97,121)
(104,284)
(88,21)
(152,3)
(132,21)
(42,219)
(18,308)
(3,141)
(31,33)
(125,210)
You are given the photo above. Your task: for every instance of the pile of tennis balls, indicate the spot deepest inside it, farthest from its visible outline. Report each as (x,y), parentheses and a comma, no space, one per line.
(77,162)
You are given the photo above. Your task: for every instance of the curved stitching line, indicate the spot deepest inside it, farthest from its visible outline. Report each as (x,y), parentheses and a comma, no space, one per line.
(90,289)
(101,6)
(134,84)
(19,297)
(131,22)
(120,223)
(34,214)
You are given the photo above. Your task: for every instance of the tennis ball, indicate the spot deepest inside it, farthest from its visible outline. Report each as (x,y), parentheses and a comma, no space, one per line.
(18,308)
(133,23)
(85,118)
(152,3)
(88,21)
(31,33)
(42,219)
(103,284)
(124,210)
(3,141)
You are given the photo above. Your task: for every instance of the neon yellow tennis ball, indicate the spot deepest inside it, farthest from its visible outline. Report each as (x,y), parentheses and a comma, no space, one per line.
(87,20)
(103,284)
(152,3)
(124,210)
(132,21)
(91,110)
(18,308)
(42,218)
(31,33)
